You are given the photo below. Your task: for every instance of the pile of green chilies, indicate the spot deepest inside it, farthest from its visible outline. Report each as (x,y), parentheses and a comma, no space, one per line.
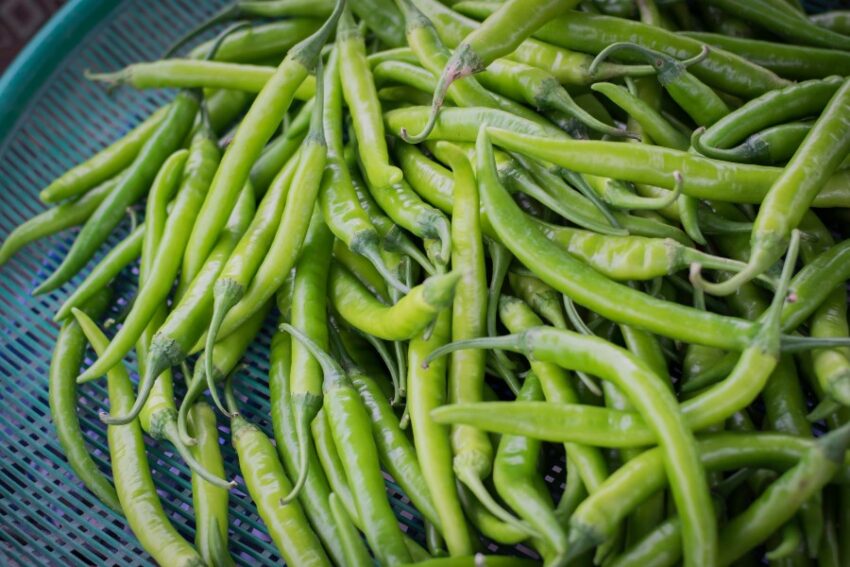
(492,233)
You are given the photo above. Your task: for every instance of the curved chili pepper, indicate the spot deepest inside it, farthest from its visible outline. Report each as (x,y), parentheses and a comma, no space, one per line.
(131,473)
(62,391)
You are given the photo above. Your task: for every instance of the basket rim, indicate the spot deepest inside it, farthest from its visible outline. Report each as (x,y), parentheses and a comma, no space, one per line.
(43,54)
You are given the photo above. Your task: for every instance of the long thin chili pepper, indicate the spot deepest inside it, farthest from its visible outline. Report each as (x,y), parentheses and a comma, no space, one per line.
(267,484)
(105,164)
(197,174)
(255,130)
(208,500)
(124,253)
(353,547)
(62,391)
(56,219)
(517,481)
(426,390)
(169,134)
(131,473)
(349,420)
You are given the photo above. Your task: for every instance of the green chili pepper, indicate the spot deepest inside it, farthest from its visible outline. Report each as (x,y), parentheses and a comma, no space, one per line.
(383,18)
(790,61)
(787,24)
(518,482)
(774,107)
(651,121)
(270,40)
(67,356)
(398,322)
(267,484)
(358,89)
(208,500)
(309,305)
(426,390)
(105,164)
(193,74)
(586,286)
(255,130)
(280,151)
(790,196)
(124,253)
(703,178)
(200,163)
(169,134)
(131,473)
(774,145)
(349,420)
(190,317)
(56,219)
(340,206)
(355,550)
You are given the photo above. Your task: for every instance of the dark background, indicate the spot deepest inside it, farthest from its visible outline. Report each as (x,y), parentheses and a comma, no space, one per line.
(19,21)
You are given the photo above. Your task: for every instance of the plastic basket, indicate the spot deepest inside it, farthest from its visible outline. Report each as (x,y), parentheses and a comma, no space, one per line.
(50,119)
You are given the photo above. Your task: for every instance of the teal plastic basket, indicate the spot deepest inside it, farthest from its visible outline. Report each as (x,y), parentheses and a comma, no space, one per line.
(50,119)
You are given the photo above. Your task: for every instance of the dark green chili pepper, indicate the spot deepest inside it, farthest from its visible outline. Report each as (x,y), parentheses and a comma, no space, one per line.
(383,18)
(67,356)
(267,484)
(787,24)
(131,473)
(167,137)
(786,60)
(349,421)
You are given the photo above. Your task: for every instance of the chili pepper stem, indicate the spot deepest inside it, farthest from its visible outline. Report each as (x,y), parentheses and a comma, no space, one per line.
(194,389)
(551,95)
(761,259)
(513,343)
(467,472)
(369,250)
(227,13)
(170,432)
(227,294)
(464,62)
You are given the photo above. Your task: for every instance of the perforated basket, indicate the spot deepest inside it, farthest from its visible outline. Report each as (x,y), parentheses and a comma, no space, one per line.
(50,119)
